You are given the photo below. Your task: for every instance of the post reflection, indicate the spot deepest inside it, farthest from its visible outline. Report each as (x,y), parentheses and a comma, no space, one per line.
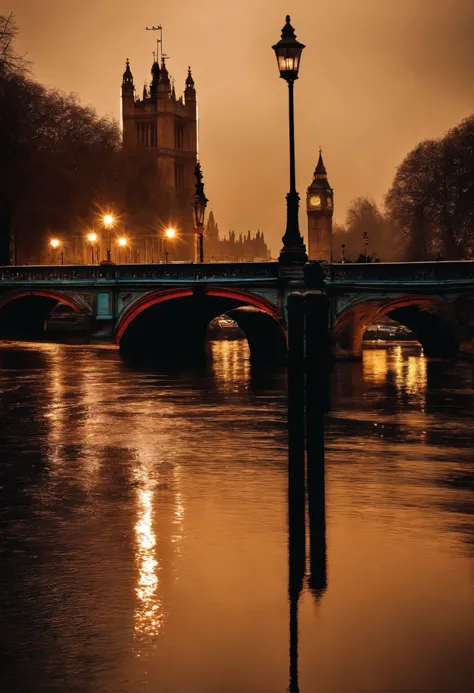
(296,572)
(148,612)
(317,580)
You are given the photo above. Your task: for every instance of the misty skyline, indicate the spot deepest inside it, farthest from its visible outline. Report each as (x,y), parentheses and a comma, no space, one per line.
(375,79)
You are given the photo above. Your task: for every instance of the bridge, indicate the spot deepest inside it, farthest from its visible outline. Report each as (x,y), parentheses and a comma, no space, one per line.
(164,309)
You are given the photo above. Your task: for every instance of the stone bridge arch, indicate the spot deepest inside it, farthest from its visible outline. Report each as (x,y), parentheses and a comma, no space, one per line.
(174,322)
(432,319)
(25,312)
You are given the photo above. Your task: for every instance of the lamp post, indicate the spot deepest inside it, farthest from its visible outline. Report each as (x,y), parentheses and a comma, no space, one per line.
(122,243)
(199,209)
(92,238)
(343,246)
(108,222)
(288,54)
(55,243)
(365,236)
(169,235)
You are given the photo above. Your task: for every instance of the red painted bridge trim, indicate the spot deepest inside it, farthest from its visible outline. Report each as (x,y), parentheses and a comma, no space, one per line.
(8,298)
(155,297)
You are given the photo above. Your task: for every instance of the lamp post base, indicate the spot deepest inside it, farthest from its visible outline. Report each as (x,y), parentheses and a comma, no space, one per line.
(294,250)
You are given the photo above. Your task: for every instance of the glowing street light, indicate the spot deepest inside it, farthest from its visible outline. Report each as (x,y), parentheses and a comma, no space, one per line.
(55,243)
(108,220)
(122,243)
(92,238)
(170,234)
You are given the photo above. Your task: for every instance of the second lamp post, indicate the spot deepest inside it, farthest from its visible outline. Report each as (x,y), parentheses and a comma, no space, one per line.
(199,209)
(288,53)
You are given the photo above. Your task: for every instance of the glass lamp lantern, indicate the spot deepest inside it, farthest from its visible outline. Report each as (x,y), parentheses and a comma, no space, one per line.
(200,200)
(199,209)
(288,53)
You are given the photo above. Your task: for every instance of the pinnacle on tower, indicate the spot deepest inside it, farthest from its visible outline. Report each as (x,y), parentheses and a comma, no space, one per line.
(164,75)
(189,92)
(127,80)
(320,170)
(189,79)
(155,78)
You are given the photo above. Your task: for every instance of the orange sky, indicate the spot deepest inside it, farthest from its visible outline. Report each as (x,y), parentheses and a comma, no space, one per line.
(376,77)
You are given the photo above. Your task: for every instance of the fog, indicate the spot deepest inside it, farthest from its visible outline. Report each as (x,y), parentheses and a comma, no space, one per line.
(376,78)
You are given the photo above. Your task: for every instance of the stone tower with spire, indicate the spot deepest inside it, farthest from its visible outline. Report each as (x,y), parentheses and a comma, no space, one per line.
(167,125)
(320,208)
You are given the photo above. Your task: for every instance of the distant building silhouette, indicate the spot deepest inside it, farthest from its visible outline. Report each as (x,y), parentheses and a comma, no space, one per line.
(320,208)
(161,122)
(244,248)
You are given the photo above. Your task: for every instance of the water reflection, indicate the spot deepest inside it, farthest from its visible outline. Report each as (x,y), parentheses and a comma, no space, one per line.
(409,370)
(148,613)
(145,544)
(231,363)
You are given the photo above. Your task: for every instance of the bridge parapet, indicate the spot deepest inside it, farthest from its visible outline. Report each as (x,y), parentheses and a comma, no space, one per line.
(173,272)
(385,272)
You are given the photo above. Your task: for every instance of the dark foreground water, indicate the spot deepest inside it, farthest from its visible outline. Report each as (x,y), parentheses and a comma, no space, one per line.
(144,541)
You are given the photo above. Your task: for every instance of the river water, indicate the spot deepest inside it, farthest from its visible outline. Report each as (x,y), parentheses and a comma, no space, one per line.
(144,531)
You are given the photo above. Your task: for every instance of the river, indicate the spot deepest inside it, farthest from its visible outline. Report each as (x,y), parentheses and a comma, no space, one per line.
(144,531)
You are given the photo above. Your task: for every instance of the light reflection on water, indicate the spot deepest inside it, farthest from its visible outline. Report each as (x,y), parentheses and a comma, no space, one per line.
(144,526)
(148,613)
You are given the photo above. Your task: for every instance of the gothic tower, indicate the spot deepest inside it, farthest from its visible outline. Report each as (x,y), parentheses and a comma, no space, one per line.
(167,125)
(320,208)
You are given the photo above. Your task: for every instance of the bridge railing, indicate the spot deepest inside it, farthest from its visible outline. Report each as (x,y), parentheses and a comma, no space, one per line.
(403,271)
(137,272)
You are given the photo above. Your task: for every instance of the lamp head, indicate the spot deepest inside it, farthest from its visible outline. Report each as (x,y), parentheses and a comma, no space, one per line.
(288,53)
(108,220)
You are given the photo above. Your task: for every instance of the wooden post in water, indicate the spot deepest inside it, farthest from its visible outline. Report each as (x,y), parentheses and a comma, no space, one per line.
(317,367)
(296,423)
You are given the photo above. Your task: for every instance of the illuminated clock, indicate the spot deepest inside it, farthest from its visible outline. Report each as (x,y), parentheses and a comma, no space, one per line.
(329,201)
(315,201)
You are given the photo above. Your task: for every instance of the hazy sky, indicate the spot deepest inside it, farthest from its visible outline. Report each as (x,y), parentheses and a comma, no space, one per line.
(376,77)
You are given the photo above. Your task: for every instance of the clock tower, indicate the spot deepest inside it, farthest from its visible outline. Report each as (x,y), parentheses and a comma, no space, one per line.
(320,208)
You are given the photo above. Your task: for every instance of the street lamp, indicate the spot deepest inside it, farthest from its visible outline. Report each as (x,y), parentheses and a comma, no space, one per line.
(92,238)
(55,243)
(122,242)
(288,54)
(170,234)
(108,221)
(199,209)
(365,236)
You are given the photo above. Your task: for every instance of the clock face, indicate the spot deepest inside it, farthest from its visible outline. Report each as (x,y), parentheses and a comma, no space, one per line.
(329,201)
(315,201)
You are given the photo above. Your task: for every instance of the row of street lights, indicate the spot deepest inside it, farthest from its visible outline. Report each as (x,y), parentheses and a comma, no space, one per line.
(121,242)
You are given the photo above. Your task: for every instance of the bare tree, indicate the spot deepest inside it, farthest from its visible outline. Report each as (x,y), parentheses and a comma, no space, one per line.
(10,61)
(431,200)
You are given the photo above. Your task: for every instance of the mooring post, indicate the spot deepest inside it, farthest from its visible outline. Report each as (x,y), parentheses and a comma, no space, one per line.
(317,396)
(296,423)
